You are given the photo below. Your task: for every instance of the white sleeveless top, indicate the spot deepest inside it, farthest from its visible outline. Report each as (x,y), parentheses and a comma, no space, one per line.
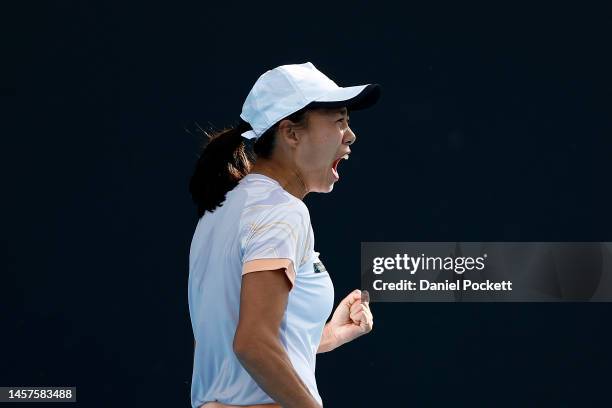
(260,226)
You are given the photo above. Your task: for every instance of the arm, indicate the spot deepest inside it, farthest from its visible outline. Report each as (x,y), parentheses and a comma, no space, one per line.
(263,300)
(328,340)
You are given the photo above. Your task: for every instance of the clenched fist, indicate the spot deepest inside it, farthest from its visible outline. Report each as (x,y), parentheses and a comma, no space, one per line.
(352,318)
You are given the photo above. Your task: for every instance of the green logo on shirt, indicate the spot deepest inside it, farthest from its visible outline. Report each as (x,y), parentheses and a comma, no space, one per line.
(319,267)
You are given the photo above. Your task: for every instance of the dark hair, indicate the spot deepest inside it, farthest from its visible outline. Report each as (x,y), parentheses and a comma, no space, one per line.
(226,157)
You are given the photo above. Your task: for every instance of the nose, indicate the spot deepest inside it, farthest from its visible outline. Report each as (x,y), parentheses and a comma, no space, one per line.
(349,137)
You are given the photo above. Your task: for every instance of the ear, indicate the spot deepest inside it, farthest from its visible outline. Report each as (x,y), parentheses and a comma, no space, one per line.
(287,132)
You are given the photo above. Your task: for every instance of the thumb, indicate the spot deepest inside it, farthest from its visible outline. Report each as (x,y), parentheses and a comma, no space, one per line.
(353,297)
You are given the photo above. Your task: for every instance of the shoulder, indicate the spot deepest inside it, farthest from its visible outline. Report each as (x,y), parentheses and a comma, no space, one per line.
(268,202)
(291,213)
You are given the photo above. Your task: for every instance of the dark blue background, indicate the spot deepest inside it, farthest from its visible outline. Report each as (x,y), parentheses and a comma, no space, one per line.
(494,125)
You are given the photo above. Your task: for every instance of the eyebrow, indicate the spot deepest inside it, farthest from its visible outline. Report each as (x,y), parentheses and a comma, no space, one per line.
(342,111)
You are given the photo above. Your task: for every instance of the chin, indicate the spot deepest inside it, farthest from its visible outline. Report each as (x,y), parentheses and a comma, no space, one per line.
(329,187)
(324,188)
(324,183)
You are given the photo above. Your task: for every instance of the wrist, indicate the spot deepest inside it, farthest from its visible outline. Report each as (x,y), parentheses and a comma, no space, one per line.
(330,334)
(328,340)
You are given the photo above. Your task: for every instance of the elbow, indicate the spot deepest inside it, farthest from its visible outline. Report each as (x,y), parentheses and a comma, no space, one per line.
(252,346)
(240,345)
(243,346)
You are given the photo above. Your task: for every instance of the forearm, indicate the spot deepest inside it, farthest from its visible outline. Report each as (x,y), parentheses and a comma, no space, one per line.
(328,340)
(269,365)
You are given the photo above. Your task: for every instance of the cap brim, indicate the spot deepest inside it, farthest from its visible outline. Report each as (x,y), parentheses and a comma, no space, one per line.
(352,97)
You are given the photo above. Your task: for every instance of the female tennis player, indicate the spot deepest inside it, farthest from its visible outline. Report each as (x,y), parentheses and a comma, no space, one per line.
(259,296)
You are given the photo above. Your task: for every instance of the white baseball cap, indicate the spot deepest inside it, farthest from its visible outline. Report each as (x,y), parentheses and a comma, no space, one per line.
(286,89)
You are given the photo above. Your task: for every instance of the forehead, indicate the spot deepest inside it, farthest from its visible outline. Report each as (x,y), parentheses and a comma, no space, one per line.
(326,112)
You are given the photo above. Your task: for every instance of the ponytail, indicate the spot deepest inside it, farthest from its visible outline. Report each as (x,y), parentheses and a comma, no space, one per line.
(224,161)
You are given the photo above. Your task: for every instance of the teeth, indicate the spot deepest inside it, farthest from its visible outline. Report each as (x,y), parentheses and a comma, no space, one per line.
(345,157)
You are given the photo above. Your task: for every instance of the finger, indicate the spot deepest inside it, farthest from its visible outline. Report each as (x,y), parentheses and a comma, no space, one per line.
(356,317)
(357,306)
(366,323)
(368,320)
(353,297)
(369,315)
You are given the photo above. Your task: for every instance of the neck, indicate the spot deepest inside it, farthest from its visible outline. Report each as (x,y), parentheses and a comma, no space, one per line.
(289,178)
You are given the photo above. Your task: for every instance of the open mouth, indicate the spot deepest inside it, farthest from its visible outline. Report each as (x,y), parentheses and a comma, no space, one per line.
(335,165)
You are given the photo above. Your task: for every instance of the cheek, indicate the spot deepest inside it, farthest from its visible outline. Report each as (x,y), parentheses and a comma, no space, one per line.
(311,157)
(321,150)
